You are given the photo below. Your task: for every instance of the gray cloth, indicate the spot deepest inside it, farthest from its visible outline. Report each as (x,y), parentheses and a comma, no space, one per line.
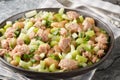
(11,7)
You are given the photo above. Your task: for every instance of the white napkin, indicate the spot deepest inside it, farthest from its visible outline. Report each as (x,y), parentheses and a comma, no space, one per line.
(48,4)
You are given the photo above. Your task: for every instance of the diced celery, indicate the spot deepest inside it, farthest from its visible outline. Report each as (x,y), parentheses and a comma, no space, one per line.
(68,56)
(86,38)
(81,19)
(42,55)
(81,34)
(54,31)
(17,58)
(28,25)
(34,68)
(7,57)
(79,41)
(74,21)
(31,29)
(36,29)
(64,16)
(6,26)
(72,47)
(55,57)
(52,68)
(12,43)
(45,15)
(33,60)
(56,38)
(2,31)
(33,48)
(60,56)
(31,13)
(61,11)
(74,35)
(96,48)
(24,64)
(17,32)
(87,47)
(9,23)
(50,35)
(83,64)
(58,17)
(44,22)
(53,43)
(90,33)
(36,42)
(27,57)
(25,37)
(81,59)
(42,64)
(48,23)
(39,14)
(74,53)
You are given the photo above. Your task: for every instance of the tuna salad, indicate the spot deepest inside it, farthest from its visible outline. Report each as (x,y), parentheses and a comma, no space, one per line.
(47,41)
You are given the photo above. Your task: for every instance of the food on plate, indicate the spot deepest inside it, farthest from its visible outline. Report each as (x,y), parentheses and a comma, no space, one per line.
(53,41)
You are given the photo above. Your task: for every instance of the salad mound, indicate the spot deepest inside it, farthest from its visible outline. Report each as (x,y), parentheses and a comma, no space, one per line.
(53,41)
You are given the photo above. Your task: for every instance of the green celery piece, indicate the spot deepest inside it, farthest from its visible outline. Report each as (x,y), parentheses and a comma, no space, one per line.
(61,11)
(7,26)
(36,42)
(87,47)
(24,64)
(90,33)
(17,59)
(36,29)
(74,53)
(33,60)
(44,22)
(58,17)
(13,43)
(64,16)
(81,18)
(42,64)
(52,68)
(2,31)
(28,25)
(25,37)
(56,38)
(81,59)
(83,64)
(27,56)
(53,56)
(31,29)
(79,41)
(81,34)
(33,48)
(55,31)
(53,43)
(34,68)
(50,35)
(86,38)
(60,56)
(7,57)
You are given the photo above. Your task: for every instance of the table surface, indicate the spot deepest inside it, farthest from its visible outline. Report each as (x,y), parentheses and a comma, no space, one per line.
(110,70)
